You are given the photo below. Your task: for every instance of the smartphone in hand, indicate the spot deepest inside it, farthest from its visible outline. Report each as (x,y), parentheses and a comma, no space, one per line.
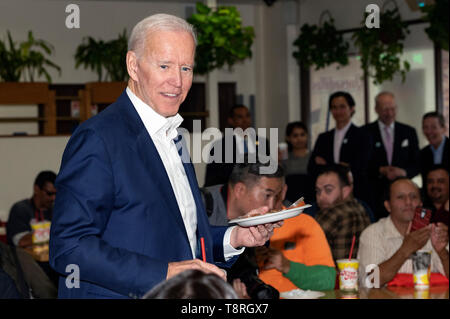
(421,219)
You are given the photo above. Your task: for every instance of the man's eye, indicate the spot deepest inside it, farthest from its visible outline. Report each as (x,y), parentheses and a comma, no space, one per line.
(163,66)
(186,69)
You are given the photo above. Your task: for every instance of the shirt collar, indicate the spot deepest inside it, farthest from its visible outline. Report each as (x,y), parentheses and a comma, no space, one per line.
(345,128)
(155,123)
(382,125)
(391,230)
(440,147)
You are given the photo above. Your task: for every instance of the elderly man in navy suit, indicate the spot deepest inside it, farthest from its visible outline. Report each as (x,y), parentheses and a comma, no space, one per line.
(129,213)
(394,150)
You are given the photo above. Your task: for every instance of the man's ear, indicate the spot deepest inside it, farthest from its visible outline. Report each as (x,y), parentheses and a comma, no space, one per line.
(36,189)
(239,190)
(346,190)
(387,205)
(132,65)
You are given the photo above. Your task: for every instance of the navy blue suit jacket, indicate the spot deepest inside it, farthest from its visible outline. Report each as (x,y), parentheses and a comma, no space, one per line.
(405,154)
(116,215)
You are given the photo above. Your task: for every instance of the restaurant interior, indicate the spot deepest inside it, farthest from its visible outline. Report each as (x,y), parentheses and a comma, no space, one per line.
(285,73)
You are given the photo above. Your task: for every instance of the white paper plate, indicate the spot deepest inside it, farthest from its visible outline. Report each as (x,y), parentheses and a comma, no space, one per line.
(270,217)
(301,294)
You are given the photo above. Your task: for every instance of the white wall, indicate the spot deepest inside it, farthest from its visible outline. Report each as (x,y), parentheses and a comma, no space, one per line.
(22,158)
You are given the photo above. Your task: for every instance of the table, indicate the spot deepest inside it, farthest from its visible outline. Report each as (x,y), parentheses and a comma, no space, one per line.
(435,292)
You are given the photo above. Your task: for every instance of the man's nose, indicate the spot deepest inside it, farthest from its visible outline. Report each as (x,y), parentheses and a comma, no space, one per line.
(176,78)
(271,203)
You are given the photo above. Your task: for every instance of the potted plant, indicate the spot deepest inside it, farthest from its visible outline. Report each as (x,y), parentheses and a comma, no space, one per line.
(108,60)
(222,40)
(381,49)
(321,46)
(437,15)
(28,60)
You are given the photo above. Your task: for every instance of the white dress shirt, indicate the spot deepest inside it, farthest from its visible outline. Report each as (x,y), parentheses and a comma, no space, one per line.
(162,131)
(381,240)
(338,139)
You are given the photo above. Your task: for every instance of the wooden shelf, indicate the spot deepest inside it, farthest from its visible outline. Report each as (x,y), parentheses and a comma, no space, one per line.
(67,118)
(67,97)
(21,119)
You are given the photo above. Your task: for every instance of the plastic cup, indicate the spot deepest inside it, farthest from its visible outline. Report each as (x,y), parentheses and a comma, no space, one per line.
(421,269)
(348,274)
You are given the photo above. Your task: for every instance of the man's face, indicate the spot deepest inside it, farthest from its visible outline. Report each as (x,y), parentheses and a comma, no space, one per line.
(404,199)
(164,71)
(265,192)
(341,111)
(437,185)
(328,190)
(386,109)
(46,195)
(432,130)
(241,118)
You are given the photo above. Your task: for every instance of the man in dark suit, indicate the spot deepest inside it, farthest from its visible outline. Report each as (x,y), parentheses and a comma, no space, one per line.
(394,150)
(233,147)
(129,212)
(347,144)
(436,153)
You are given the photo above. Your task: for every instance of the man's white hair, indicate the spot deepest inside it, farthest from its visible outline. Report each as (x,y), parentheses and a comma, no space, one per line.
(157,22)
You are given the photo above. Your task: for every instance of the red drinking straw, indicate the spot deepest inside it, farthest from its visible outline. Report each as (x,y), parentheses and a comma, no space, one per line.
(351,249)
(202,242)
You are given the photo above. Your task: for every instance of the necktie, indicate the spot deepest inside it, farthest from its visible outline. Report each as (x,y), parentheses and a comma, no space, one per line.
(389,145)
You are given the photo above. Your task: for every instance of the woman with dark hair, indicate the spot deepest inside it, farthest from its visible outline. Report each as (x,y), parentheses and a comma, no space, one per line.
(346,144)
(296,163)
(298,154)
(192,284)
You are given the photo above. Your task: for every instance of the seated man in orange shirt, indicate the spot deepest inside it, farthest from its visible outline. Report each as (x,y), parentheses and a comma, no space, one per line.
(298,257)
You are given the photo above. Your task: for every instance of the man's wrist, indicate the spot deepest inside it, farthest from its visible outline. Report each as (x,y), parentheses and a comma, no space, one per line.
(405,252)
(234,238)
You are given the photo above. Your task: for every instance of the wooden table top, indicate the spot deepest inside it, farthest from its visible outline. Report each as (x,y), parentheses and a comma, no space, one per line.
(435,292)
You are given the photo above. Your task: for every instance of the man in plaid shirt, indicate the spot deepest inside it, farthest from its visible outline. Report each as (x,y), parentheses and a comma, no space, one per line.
(341,216)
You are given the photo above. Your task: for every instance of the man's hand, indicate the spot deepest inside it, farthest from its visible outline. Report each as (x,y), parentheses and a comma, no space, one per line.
(240,288)
(416,240)
(392,172)
(253,236)
(175,268)
(277,260)
(320,160)
(439,237)
(26,241)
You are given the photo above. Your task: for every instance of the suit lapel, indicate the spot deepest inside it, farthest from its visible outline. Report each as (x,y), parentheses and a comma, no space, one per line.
(141,143)
(202,222)
(345,153)
(379,144)
(398,139)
